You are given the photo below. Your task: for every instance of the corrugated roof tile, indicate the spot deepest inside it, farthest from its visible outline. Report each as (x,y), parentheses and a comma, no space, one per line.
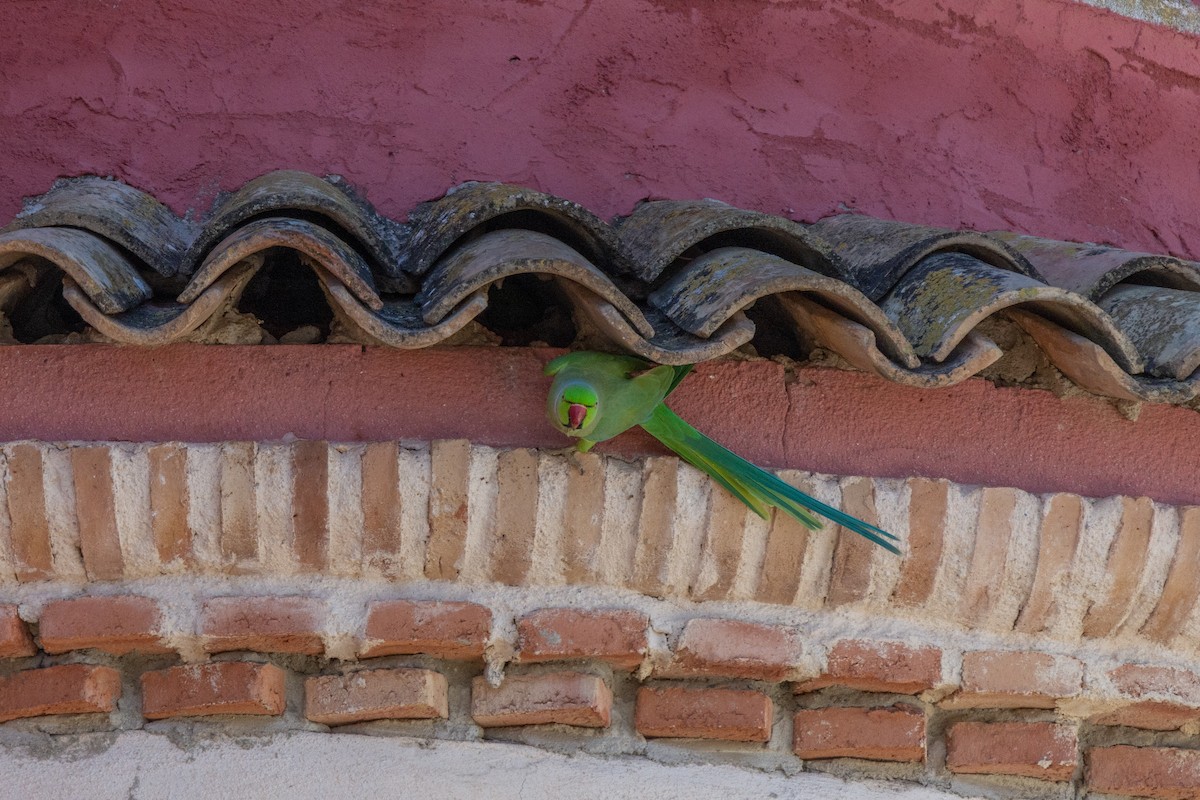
(671,282)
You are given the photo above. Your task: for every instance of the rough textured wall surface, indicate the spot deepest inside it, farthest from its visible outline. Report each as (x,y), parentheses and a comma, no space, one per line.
(1042,116)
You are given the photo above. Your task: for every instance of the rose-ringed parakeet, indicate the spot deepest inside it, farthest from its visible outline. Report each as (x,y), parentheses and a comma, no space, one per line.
(596,396)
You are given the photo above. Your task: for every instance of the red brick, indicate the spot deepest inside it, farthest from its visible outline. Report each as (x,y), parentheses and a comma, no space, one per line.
(264,624)
(926,532)
(15,641)
(228,687)
(310,505)
(786,549)
(583,517)
(1181,591)
(27,509)
(381,504)
(66,689)
(734,649)
(876,734)
(510,545)
(449,482)
(99,540)
(566,698)
(1164,773)
(443,629)
(376,694)
(986,576)
(1164,698)
(850,573)
(1031,749)
(1062,522)
(557,634)
(1016,679)
(725,531)
(656,526)
(1126,559)
(117,624)
(169,502)
(870,666)
(736,715)
(239,515)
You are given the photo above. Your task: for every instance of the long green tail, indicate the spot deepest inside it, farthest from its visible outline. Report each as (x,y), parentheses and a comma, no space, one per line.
(757,488)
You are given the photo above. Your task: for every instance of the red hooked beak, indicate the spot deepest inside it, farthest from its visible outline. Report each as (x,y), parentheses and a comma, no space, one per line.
(575,415)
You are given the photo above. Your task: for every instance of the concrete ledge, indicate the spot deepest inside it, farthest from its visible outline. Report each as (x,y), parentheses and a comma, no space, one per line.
(818,419)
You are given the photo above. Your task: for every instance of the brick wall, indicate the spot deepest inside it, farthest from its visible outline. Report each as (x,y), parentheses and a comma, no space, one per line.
(454,591)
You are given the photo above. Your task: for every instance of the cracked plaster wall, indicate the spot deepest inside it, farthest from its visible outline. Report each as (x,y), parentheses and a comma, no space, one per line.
(136,765)
(1041,116)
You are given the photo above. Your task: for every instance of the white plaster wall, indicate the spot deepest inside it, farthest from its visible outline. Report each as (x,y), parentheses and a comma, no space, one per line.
(137,765)
(1181,14)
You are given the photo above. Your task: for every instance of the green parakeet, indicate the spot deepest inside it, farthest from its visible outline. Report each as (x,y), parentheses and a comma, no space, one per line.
(596,396)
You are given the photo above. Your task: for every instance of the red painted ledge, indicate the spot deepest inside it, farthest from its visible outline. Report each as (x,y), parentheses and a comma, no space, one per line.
(824,420)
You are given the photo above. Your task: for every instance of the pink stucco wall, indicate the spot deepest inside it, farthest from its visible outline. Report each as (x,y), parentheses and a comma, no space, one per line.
(1043,116)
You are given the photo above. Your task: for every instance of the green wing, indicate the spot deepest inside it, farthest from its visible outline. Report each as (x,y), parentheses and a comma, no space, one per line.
(755,487)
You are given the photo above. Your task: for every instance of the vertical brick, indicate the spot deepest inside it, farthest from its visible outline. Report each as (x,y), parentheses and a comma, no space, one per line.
(583,518)
(99,540)
(226,687)
(1062,522)
(443,629)
(787,543)
(725,531)
(875,734)
(656,526)
(116,624)
(381,505)
(376,694)
(27,510)
(566,698)
(1040,750)
(15,641)
(451,472)
(993,532)
(7,561)
(623,496)
(1181,590)
(169,503)
(344,492)
(263,624)
(870,666)
(851,576)
(926,523)
(310,505)
(1016,679)
(239,512)
(516,515)
(557,634)
(735,715)
(65,689)
(1126,558)
(1166,773)
(275,516)
(735,649)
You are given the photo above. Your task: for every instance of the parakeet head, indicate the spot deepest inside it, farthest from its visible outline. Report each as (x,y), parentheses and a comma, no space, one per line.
(574,409)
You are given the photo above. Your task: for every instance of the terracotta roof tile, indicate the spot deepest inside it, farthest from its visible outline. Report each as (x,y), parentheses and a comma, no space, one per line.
(672,282)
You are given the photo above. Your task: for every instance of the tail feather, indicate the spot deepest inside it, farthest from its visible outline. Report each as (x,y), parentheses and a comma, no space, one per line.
(755,487)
